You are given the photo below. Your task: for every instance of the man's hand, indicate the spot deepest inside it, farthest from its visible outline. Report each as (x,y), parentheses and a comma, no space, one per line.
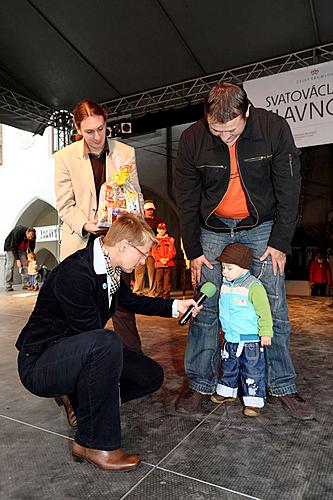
(196,268)
(265,341)
(183,305)
(278,259)
(91,227)
(18,263)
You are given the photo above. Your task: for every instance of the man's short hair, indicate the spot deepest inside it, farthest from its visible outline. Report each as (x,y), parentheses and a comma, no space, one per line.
(225,101)
(131,228)
(31,230)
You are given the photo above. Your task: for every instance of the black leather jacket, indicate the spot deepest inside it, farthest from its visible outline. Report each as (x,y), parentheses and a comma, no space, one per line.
(269,170)
(15,238)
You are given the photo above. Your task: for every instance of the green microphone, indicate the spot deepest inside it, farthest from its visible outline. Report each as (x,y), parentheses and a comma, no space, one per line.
(207,291)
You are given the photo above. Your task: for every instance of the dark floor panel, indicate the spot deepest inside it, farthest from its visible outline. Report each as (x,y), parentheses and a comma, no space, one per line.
(153,427)
(37,465)
(161,484)
(271,457)
(267,457)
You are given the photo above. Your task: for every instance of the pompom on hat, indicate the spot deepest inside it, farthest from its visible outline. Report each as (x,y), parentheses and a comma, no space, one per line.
(238,254)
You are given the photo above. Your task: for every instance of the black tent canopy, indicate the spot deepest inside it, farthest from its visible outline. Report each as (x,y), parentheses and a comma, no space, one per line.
(55,53)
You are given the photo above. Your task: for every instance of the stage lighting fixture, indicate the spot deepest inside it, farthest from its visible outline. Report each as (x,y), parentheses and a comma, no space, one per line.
(126,127)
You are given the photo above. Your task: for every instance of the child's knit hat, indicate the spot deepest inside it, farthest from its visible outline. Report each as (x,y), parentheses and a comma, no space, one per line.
(238,254)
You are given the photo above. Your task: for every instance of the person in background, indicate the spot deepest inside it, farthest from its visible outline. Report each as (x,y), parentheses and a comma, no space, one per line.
(237,180)
(65,347)
(139,273)
(246,321)
(32,271)
(19,241)
(320,275)
(163,252)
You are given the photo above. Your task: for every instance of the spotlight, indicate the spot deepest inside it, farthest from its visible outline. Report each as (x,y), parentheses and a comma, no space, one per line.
(126,127)
(115,130)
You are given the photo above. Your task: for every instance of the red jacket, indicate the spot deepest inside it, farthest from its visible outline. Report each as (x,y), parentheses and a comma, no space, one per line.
(165,248)
(320,273)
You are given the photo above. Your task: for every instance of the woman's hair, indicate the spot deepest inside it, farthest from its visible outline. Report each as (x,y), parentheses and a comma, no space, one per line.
(226,101)
(131,228)
(83,110)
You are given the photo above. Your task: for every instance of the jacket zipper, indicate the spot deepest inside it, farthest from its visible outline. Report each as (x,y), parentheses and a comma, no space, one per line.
(258,158)
(212,166)
(232,230)
(291,165)
(240,175)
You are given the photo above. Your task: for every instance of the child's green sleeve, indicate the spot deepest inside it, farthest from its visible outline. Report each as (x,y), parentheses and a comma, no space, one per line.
(259,300)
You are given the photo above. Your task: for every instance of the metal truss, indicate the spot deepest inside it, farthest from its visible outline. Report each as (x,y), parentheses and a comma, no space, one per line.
(24,106)
(163,98)
(44,116)
(193,91)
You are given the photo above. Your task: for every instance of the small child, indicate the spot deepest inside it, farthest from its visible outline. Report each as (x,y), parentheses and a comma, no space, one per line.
(32,271)
(246,321)
(163,253)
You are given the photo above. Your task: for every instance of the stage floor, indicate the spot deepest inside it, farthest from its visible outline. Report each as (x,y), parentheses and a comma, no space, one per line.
(219,454)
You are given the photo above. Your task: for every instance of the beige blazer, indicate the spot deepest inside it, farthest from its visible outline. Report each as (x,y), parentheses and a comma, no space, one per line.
(75,189)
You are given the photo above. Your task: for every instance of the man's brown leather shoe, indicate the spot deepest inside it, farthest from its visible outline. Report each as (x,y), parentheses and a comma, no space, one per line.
(115,460)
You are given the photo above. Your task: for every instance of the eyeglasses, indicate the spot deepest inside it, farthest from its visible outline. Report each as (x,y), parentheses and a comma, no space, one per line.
(144,255)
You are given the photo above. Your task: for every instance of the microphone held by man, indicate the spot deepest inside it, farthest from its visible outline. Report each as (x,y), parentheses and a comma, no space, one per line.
(207,290)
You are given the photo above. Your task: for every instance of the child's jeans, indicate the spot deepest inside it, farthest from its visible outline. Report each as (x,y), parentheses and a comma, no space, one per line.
(33,280)
(246,361)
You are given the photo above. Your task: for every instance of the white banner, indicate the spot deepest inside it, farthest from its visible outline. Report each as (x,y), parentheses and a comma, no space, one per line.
(304,97)
(47,233)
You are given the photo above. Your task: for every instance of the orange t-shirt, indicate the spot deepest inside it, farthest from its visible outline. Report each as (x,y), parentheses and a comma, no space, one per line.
(233,205)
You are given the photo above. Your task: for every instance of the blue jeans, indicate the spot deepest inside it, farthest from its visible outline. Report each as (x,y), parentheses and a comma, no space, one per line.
(203,346)
(249,367)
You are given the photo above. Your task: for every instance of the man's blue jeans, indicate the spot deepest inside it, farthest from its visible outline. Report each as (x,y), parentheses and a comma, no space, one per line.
(203,346)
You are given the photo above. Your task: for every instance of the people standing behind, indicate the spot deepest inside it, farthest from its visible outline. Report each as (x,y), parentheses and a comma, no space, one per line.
(80,170)
(320,275)
(246,321)
(19,241)
(65,347)
(139,273)
(163,252)
(237,180)
(32,271)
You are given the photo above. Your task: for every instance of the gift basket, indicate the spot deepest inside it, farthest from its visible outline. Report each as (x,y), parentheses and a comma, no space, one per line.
(118,196)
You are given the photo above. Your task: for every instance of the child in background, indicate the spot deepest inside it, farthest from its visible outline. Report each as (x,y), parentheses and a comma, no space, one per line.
(246,321)
(32,271)
(163,253)
(320,275)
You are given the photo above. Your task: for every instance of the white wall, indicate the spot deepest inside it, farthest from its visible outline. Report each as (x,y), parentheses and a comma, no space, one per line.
(26,174)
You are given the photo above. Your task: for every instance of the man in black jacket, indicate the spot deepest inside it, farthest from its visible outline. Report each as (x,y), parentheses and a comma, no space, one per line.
(238,180)
(65,348)
(20,240)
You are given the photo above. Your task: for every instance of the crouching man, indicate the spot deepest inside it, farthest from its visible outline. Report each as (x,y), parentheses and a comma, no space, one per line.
(65,348)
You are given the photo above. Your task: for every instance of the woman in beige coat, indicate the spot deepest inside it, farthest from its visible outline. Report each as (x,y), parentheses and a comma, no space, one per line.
(80,170)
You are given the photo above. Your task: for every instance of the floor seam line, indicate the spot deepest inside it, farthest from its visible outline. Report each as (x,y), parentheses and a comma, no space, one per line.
(36,427)
(206,482)
(160,461)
